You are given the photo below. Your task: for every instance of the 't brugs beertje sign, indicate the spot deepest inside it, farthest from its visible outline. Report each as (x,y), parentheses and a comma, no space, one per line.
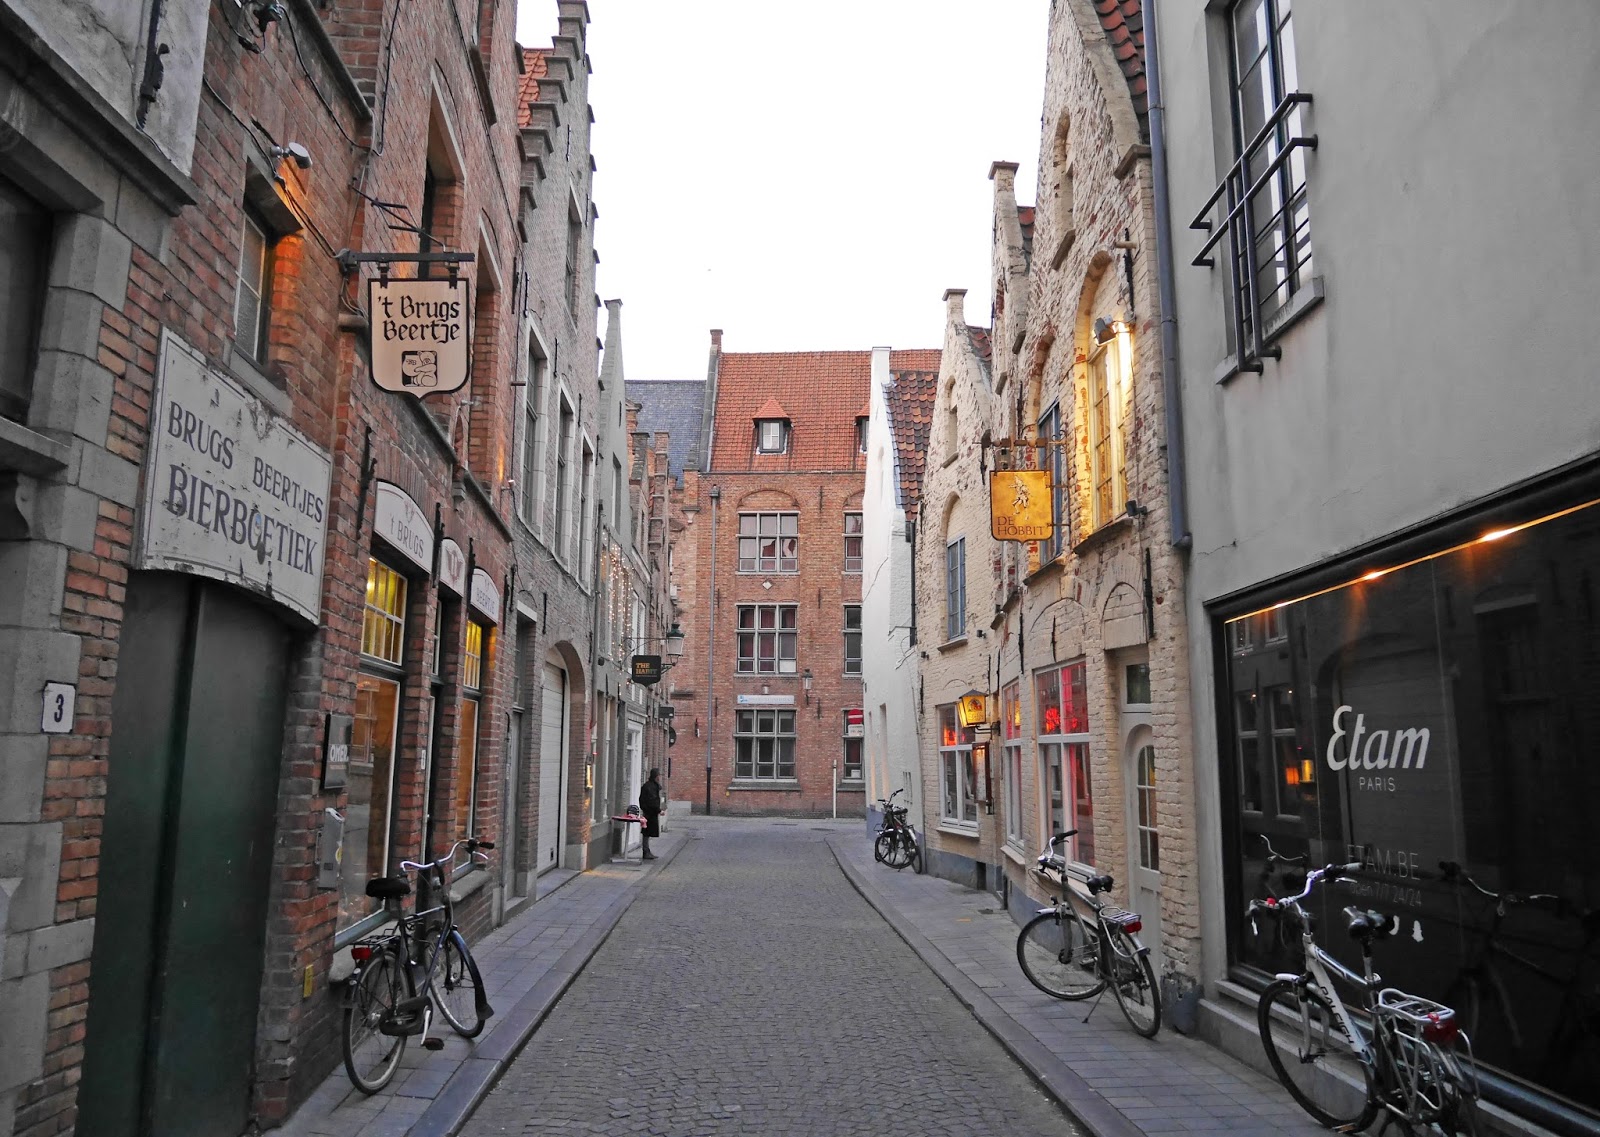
(419,334)
(231,491)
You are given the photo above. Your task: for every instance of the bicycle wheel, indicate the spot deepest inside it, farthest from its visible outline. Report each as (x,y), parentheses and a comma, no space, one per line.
(371,1057)
(1303,1046)
(1060,955)
(456,985)
(914,854)
(887,849)
(1134,985)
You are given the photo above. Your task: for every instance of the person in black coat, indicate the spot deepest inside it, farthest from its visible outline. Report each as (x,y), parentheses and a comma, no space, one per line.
(650,806)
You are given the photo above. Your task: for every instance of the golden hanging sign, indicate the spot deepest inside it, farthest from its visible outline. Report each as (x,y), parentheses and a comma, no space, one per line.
(1019,505)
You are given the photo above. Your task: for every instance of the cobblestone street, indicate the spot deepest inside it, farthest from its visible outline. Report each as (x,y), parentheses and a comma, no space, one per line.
(751,990)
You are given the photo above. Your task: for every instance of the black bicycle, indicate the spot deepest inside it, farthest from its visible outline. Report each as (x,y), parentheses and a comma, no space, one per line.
(1061,956)
(401,975)
(897,844)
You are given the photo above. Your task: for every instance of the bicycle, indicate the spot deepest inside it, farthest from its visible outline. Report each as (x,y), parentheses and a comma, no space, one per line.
(1061,958)
(897,844)
(1414,1061)
(403,974)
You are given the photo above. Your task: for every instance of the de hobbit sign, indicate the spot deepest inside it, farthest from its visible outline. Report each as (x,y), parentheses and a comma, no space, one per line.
(419,334)
(231,491)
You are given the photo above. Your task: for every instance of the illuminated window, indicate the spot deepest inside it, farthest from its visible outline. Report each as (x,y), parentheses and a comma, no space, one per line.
(1011,760)
(958,799)
(472,659)
(253,298)
(384,624)
(1108,377)
(466,772)
(1065,778)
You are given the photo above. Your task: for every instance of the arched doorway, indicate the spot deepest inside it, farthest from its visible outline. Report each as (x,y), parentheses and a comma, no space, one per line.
(1144,836)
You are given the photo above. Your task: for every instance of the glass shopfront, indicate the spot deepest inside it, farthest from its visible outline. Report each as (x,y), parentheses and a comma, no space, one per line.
(1440,722)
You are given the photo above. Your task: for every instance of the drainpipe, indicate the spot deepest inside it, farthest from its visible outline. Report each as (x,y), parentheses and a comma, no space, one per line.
(711,642)
(1177,501)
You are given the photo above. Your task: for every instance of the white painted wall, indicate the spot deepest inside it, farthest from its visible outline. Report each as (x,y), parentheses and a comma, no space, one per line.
(1456,228)
(888,664)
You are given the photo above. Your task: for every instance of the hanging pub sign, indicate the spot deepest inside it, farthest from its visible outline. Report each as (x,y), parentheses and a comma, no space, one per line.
(972,709)
(1019,505)
(419,334)
(646,670)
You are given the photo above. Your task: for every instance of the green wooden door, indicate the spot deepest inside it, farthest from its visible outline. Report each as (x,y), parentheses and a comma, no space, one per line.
(186,858)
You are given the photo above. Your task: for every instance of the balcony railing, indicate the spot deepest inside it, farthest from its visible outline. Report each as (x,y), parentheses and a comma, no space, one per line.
(1263,284)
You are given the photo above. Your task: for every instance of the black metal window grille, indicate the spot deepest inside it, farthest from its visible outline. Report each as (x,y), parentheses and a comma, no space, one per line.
(1266,224)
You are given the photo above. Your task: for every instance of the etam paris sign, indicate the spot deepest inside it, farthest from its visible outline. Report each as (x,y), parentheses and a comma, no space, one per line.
(419,334)
(231,491)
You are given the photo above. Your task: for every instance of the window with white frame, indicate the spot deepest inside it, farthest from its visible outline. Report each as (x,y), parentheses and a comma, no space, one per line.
(855,731)
(763,744)
(958,774)
(1065,780)
(955,589)
(852,639)
(1108,372)
(1011,760)
(767,635)
(772,435)
(852,542)
(769,542)
(863,424)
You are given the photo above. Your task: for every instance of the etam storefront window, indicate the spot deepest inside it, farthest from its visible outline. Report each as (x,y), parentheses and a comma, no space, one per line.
(1440,722)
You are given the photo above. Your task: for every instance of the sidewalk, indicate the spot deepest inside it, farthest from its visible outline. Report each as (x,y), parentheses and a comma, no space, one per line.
(1116,1083)
(527,963)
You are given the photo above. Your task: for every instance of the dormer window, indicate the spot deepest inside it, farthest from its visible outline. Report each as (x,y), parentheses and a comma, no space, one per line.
(772,435)
(862,423)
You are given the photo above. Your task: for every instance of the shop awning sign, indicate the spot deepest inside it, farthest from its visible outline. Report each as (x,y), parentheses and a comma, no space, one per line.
(1019,505)
(419,334)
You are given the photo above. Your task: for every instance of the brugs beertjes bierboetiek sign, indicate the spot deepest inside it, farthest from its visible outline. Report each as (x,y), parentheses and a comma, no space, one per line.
(419,334)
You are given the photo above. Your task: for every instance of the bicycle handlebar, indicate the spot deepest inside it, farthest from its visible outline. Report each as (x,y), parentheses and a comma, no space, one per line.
(1330,872)
(472,844)
(1276,858)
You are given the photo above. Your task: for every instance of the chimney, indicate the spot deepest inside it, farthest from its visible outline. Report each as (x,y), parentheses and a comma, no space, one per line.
(955,306)
(716,339)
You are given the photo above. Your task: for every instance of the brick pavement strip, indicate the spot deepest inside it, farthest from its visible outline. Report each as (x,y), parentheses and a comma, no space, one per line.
(750,990)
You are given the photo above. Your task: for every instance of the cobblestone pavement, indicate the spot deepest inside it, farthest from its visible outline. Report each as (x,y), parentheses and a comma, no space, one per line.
(750,990)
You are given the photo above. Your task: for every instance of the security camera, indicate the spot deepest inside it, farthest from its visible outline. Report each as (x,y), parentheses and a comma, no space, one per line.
(295,152)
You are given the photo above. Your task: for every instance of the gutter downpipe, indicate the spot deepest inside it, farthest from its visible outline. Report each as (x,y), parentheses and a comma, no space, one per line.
(715,494)
(1171,387)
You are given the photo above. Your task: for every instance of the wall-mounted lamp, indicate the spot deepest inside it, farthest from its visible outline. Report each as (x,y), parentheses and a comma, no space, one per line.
(294,152)
(1107,330)
(674,640)
(805,678)
(1137,510)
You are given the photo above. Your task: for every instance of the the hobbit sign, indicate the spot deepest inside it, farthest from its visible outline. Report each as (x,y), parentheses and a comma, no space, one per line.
(419,334)
(1020,506)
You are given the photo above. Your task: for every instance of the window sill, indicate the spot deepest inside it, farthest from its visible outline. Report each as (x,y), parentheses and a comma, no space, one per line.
(968,829)
(1107,532)
(248,372)
(1053,565)
(951,645)
(852,787)
(1304,301)
(468,884)
(950,457)
(767,572)
(1063,247)
(27,452)
(769,785)
(1015,854)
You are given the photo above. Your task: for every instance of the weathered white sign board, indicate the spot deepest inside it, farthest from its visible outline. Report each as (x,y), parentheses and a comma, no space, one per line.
(399,520)
(231,491)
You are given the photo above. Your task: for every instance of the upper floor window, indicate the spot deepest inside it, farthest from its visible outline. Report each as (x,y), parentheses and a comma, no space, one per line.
(955,588)
(384,623)
(772,435)
(852,639)
(253,300)
(769,542)
(533,436)
(574,275)
(1054,459)
(24,249)
(1108,375)
(852,542)
(766,639)
(472,656)
(863,423)
(1265,233)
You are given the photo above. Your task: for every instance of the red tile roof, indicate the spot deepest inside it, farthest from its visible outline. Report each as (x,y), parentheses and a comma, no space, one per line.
(534,69)
(1025,220)
(980,342)
(821,388)
(910,398)
(1123,22)
(771,409)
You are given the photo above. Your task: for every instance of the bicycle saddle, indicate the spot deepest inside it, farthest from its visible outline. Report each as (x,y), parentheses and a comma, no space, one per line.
(388,887)
(1368,924)
(1099,883)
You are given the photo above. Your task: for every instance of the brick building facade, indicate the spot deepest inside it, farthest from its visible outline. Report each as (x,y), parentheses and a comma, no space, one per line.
(196,380)
(770,688)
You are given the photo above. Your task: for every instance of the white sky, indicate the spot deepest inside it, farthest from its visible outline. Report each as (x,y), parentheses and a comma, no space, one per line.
(805,176)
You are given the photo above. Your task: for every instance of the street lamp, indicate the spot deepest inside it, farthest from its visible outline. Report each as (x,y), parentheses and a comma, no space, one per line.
(674,640)
(806,679)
